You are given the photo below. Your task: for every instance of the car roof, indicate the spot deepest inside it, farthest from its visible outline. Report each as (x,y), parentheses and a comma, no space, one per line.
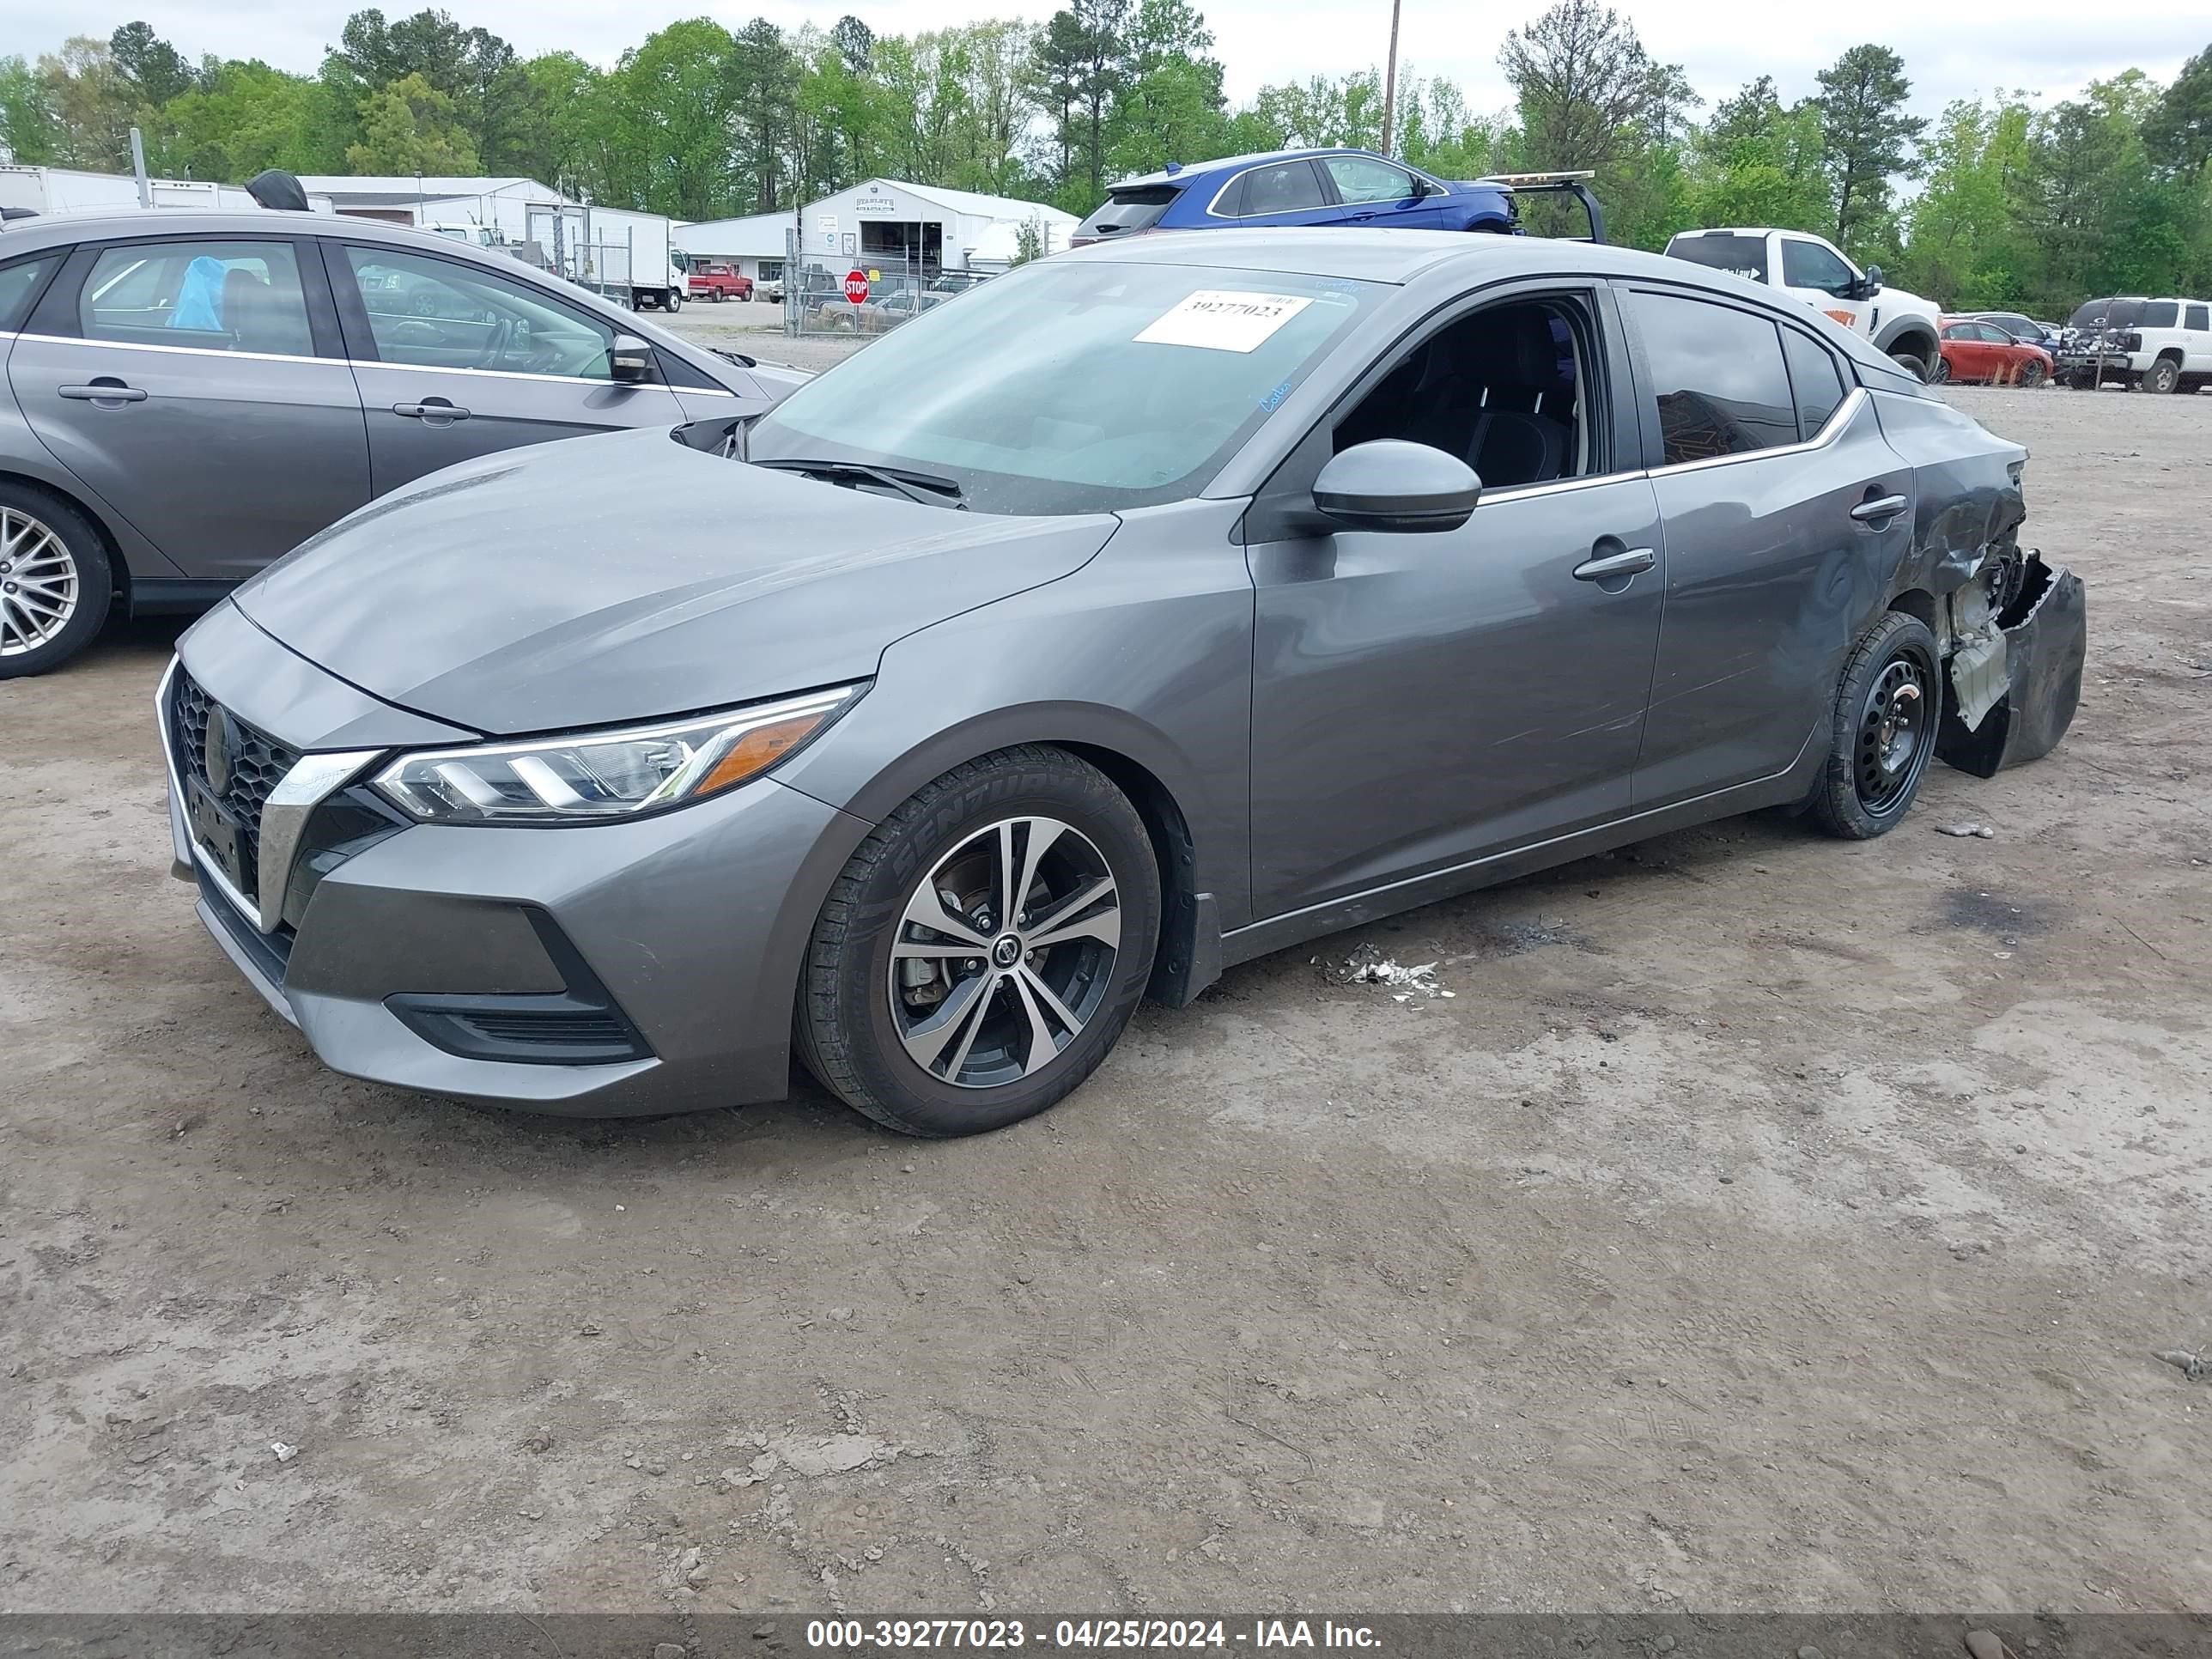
(1383,256)
(129,224)
(122,224)
(1192,171)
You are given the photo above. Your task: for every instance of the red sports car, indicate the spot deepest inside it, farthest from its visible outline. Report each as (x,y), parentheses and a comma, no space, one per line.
(1975,350)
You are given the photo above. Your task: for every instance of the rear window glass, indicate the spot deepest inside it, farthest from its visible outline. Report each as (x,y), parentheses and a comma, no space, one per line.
(1815,380)
(1718,378)
(2091,313)
(2161,313)
(1127,211)
(1739,256)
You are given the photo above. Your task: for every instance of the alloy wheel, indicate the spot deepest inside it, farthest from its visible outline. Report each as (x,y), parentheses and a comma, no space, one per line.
(37,584)
(1004,952)
(1897,731)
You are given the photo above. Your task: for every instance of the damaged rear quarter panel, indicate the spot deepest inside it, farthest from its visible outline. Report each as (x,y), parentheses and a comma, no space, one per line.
(1966,497)
(2011,679)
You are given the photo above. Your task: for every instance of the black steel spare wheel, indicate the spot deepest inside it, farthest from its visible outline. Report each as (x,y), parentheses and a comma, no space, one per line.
(983,948)
(1887,709)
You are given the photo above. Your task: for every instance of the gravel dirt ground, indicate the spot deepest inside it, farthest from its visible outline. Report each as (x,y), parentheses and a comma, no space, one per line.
(755,328)
(1765,1224)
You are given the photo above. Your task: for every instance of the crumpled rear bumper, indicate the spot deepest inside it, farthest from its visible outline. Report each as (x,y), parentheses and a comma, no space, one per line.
(2012,691)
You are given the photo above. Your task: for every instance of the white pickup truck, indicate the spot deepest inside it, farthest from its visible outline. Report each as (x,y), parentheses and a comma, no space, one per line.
(1902,325)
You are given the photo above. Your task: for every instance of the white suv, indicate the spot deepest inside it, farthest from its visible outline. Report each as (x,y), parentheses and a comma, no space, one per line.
(2158,345)
(1815,270)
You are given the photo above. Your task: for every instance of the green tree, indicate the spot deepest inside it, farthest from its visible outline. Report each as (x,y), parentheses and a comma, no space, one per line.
(2178,133)
(29,128)
(1758,162)
(669,121)
(1590,96)
(763,86)
(1171,107)
(238,118)
(1963,245)
(411,127)
(155,69)
(1868,138)
(93,103)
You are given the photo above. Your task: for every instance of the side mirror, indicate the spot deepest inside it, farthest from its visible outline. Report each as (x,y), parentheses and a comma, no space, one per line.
(1870,284)
(631,360)
(1393,485)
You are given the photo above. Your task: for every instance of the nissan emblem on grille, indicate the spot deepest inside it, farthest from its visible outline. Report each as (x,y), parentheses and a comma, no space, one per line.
(218,749)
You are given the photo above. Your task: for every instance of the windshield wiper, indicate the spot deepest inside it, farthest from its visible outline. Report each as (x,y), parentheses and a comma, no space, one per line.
(927,487)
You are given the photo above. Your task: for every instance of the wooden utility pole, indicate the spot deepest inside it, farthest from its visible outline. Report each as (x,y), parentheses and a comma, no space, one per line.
(1390,88)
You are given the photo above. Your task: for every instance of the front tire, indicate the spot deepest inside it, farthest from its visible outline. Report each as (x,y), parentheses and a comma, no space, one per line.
(54,582)
(1914,364)
(2033,374)
(984,947)
(1888,707)
(671,301)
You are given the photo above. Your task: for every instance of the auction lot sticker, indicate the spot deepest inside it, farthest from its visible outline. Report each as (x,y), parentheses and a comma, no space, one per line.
(1224,320)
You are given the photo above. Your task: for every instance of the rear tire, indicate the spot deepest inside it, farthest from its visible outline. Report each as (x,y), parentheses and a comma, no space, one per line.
(924,1004)
(1888,707)
(2162,376)
(56,585)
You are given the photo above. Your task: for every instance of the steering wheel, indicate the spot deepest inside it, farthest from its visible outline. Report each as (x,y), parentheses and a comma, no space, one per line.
(496,343)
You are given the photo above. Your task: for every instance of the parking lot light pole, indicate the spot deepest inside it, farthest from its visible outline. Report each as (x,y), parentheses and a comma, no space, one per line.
(1390,88)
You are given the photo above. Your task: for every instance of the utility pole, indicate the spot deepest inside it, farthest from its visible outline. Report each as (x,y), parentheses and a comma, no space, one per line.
(1390,88)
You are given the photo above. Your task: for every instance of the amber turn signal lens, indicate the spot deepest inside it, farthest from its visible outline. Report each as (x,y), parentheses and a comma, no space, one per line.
(758,749)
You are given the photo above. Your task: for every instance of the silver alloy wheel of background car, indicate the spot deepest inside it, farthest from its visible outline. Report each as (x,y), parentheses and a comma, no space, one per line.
(1005,952)
(38,583)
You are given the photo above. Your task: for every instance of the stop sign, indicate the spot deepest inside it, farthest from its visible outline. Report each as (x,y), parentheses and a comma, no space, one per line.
(856,286)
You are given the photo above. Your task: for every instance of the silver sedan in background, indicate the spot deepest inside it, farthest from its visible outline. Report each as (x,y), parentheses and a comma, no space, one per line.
(1155,607)
(196,393)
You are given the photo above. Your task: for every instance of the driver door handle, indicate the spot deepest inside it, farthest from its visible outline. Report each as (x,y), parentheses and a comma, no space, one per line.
(436,410)
(1629,562)
(1880,509)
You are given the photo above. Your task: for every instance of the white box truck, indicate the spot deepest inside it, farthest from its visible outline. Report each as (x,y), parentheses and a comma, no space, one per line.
(631,257)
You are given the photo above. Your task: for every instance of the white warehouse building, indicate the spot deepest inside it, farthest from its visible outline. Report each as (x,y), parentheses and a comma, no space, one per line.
(752,247)
(938,229)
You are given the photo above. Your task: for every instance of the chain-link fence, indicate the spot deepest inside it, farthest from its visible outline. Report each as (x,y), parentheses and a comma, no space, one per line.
(861,293)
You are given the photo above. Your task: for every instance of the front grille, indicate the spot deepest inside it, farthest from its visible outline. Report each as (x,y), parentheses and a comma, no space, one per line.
(254,763)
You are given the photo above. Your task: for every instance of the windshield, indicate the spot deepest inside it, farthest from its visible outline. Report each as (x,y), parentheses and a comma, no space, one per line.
(1076,387)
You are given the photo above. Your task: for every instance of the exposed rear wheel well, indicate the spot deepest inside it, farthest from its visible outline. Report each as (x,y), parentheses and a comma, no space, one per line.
(1176,856)
(1917,602)
(118,571)
(2171,355)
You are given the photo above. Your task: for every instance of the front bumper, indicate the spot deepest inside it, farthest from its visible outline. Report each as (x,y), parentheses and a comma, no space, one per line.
(598,970)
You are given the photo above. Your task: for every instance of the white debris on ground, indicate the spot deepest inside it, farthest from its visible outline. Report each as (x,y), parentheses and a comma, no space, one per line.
(1978,831)
(1365,967)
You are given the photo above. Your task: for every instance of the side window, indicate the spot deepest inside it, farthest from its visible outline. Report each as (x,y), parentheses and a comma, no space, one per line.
(1358,179)
(1291,187)
(439,313)
(19,285)
(1807,265)
(222,296)
(1506,389)
(2161,313)
(1718,376)
(2199,319)
(1815,381)
(1959,331)
(1994,335)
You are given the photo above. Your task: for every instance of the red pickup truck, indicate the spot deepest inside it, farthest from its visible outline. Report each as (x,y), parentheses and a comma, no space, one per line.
(718,282)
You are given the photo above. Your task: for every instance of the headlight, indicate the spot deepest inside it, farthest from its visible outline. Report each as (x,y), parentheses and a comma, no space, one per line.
(597,776)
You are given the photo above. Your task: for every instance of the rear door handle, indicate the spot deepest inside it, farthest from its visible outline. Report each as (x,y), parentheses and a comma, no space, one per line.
(432,409)
(103,391)
(1629,562)
(1880,509)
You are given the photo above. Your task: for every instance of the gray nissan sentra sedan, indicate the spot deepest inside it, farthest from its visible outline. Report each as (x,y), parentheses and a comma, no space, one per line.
(185,395)
(1149,608)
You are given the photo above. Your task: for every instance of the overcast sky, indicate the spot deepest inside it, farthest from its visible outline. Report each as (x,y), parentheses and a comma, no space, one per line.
(1963,47)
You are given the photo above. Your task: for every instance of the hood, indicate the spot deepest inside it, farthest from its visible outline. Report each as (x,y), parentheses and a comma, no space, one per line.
(627,576)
